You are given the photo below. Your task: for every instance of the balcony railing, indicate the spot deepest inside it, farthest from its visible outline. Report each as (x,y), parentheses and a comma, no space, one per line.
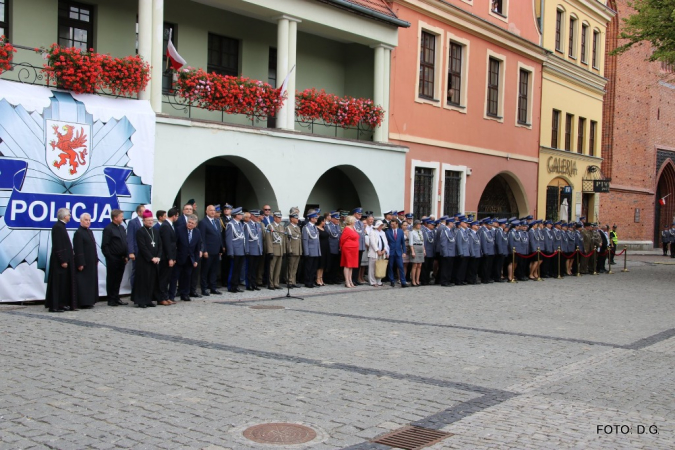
(27,70)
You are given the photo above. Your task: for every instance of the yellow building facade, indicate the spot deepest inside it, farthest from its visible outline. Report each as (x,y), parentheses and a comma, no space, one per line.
(573,88)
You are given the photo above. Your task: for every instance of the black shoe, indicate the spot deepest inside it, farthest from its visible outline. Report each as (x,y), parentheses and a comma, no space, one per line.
(309,286)
(271,288)
(206,294)
(249,288)
(295,286)
(393,284)
(66,308)
(113,304)
(445,285)
(216,292)
(404,285)
(151,305)
(120,302)
(185,298)
(195,294)
(256,288)
(141,306)
(56,310)
(356,283)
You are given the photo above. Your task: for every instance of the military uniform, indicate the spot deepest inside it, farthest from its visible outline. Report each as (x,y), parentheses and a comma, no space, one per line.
(501,252)
(254,236)
(311,250)
(294,251)
(666,239)
(462,255)
(587,246)
(333,265)
(487,245)
(235,245)
(446,247)
(474,256)
(430,253)
(275,240)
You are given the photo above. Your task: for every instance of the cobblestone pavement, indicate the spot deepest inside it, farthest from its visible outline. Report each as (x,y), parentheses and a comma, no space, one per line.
(524,366)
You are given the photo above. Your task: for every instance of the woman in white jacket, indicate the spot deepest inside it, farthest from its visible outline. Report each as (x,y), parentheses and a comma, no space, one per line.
(378,248)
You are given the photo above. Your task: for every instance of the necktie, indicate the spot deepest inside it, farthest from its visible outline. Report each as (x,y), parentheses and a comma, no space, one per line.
(214,224)
(394,234)
(189,236)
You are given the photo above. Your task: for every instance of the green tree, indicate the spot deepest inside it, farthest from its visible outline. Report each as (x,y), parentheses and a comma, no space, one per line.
(653,22)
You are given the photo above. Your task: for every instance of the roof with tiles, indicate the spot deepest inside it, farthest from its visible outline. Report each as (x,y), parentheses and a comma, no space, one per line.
(379,6)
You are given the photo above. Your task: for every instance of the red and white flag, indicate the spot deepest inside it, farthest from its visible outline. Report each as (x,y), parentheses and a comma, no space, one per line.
(284,85)
(662,201)
(173,58)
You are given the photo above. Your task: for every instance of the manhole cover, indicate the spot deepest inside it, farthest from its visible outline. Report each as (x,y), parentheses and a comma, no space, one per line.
(279,433)
(266,307)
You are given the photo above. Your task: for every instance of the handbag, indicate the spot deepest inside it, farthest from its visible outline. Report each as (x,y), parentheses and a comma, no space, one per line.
(381,268)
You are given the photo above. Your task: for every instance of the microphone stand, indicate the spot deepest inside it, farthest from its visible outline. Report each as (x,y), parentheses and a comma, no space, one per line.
(288,272)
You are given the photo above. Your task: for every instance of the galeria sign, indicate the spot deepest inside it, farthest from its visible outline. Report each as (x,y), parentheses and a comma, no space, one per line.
(561,166)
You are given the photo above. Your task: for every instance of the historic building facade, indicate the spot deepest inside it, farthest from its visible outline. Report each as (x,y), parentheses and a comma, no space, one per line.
(638,140)
(465,98)
(573,88)
(341,47)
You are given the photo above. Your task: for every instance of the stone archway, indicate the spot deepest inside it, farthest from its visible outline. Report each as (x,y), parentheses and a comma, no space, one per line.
(227,179)
(503,196)
(344,187)
(664,214)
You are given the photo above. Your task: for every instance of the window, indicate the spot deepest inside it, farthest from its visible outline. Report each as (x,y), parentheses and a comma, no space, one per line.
(427,65)
(4,18)
(423,191)
(497,7)
(596,38)
(584,32)
(591,140)
(223,55)
(272,80)
(572,37)
(569,118)
(493,88)
(76,25)
(451,198)
(555,128)
(523,92)
(558,30)
(580,135)
(455,74)
(167,75)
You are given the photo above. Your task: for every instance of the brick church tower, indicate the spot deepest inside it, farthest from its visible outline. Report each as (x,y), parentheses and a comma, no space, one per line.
(638,140)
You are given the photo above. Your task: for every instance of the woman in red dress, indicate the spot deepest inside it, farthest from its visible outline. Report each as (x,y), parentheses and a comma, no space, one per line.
(349,246)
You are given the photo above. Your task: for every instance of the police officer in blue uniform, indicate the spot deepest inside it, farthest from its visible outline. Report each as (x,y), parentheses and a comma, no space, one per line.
(311,248)
(474,253)
(462,254)
(501,250)
(429,235)
(487,244)
(334,232)
(235,244)
(447,251)
(254,237)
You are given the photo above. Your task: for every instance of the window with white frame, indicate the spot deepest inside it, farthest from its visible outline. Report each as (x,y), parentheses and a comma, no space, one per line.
(498,7)
(596,47)
(559,21)
(427,83)
(423,191)
(455,72)
(572,38)
(584,41)
(524,96)
(493,87)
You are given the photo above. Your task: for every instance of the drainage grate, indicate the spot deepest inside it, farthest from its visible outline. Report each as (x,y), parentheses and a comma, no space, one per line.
(412,438)
(279,433)
(266,307)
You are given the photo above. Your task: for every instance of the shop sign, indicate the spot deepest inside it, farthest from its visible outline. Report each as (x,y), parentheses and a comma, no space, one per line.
(562,166)
(601,186)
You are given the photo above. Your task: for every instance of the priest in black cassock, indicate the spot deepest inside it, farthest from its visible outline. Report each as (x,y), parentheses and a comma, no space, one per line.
(146,281)
(86,264)
(61,280)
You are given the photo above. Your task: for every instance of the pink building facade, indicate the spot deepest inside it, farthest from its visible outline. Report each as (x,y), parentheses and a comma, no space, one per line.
(465,98)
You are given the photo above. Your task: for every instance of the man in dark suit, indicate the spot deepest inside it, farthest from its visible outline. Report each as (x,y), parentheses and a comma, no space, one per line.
(133,226)
(188,252)
(161,217)
(396,239)
(212,242)
(182,219)
(604,245)
(168,259)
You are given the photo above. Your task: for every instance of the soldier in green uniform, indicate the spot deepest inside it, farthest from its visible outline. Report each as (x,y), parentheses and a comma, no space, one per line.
(275,241)
(294,247)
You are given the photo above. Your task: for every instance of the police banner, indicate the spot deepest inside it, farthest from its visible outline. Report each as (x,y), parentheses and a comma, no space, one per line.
(88,153)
